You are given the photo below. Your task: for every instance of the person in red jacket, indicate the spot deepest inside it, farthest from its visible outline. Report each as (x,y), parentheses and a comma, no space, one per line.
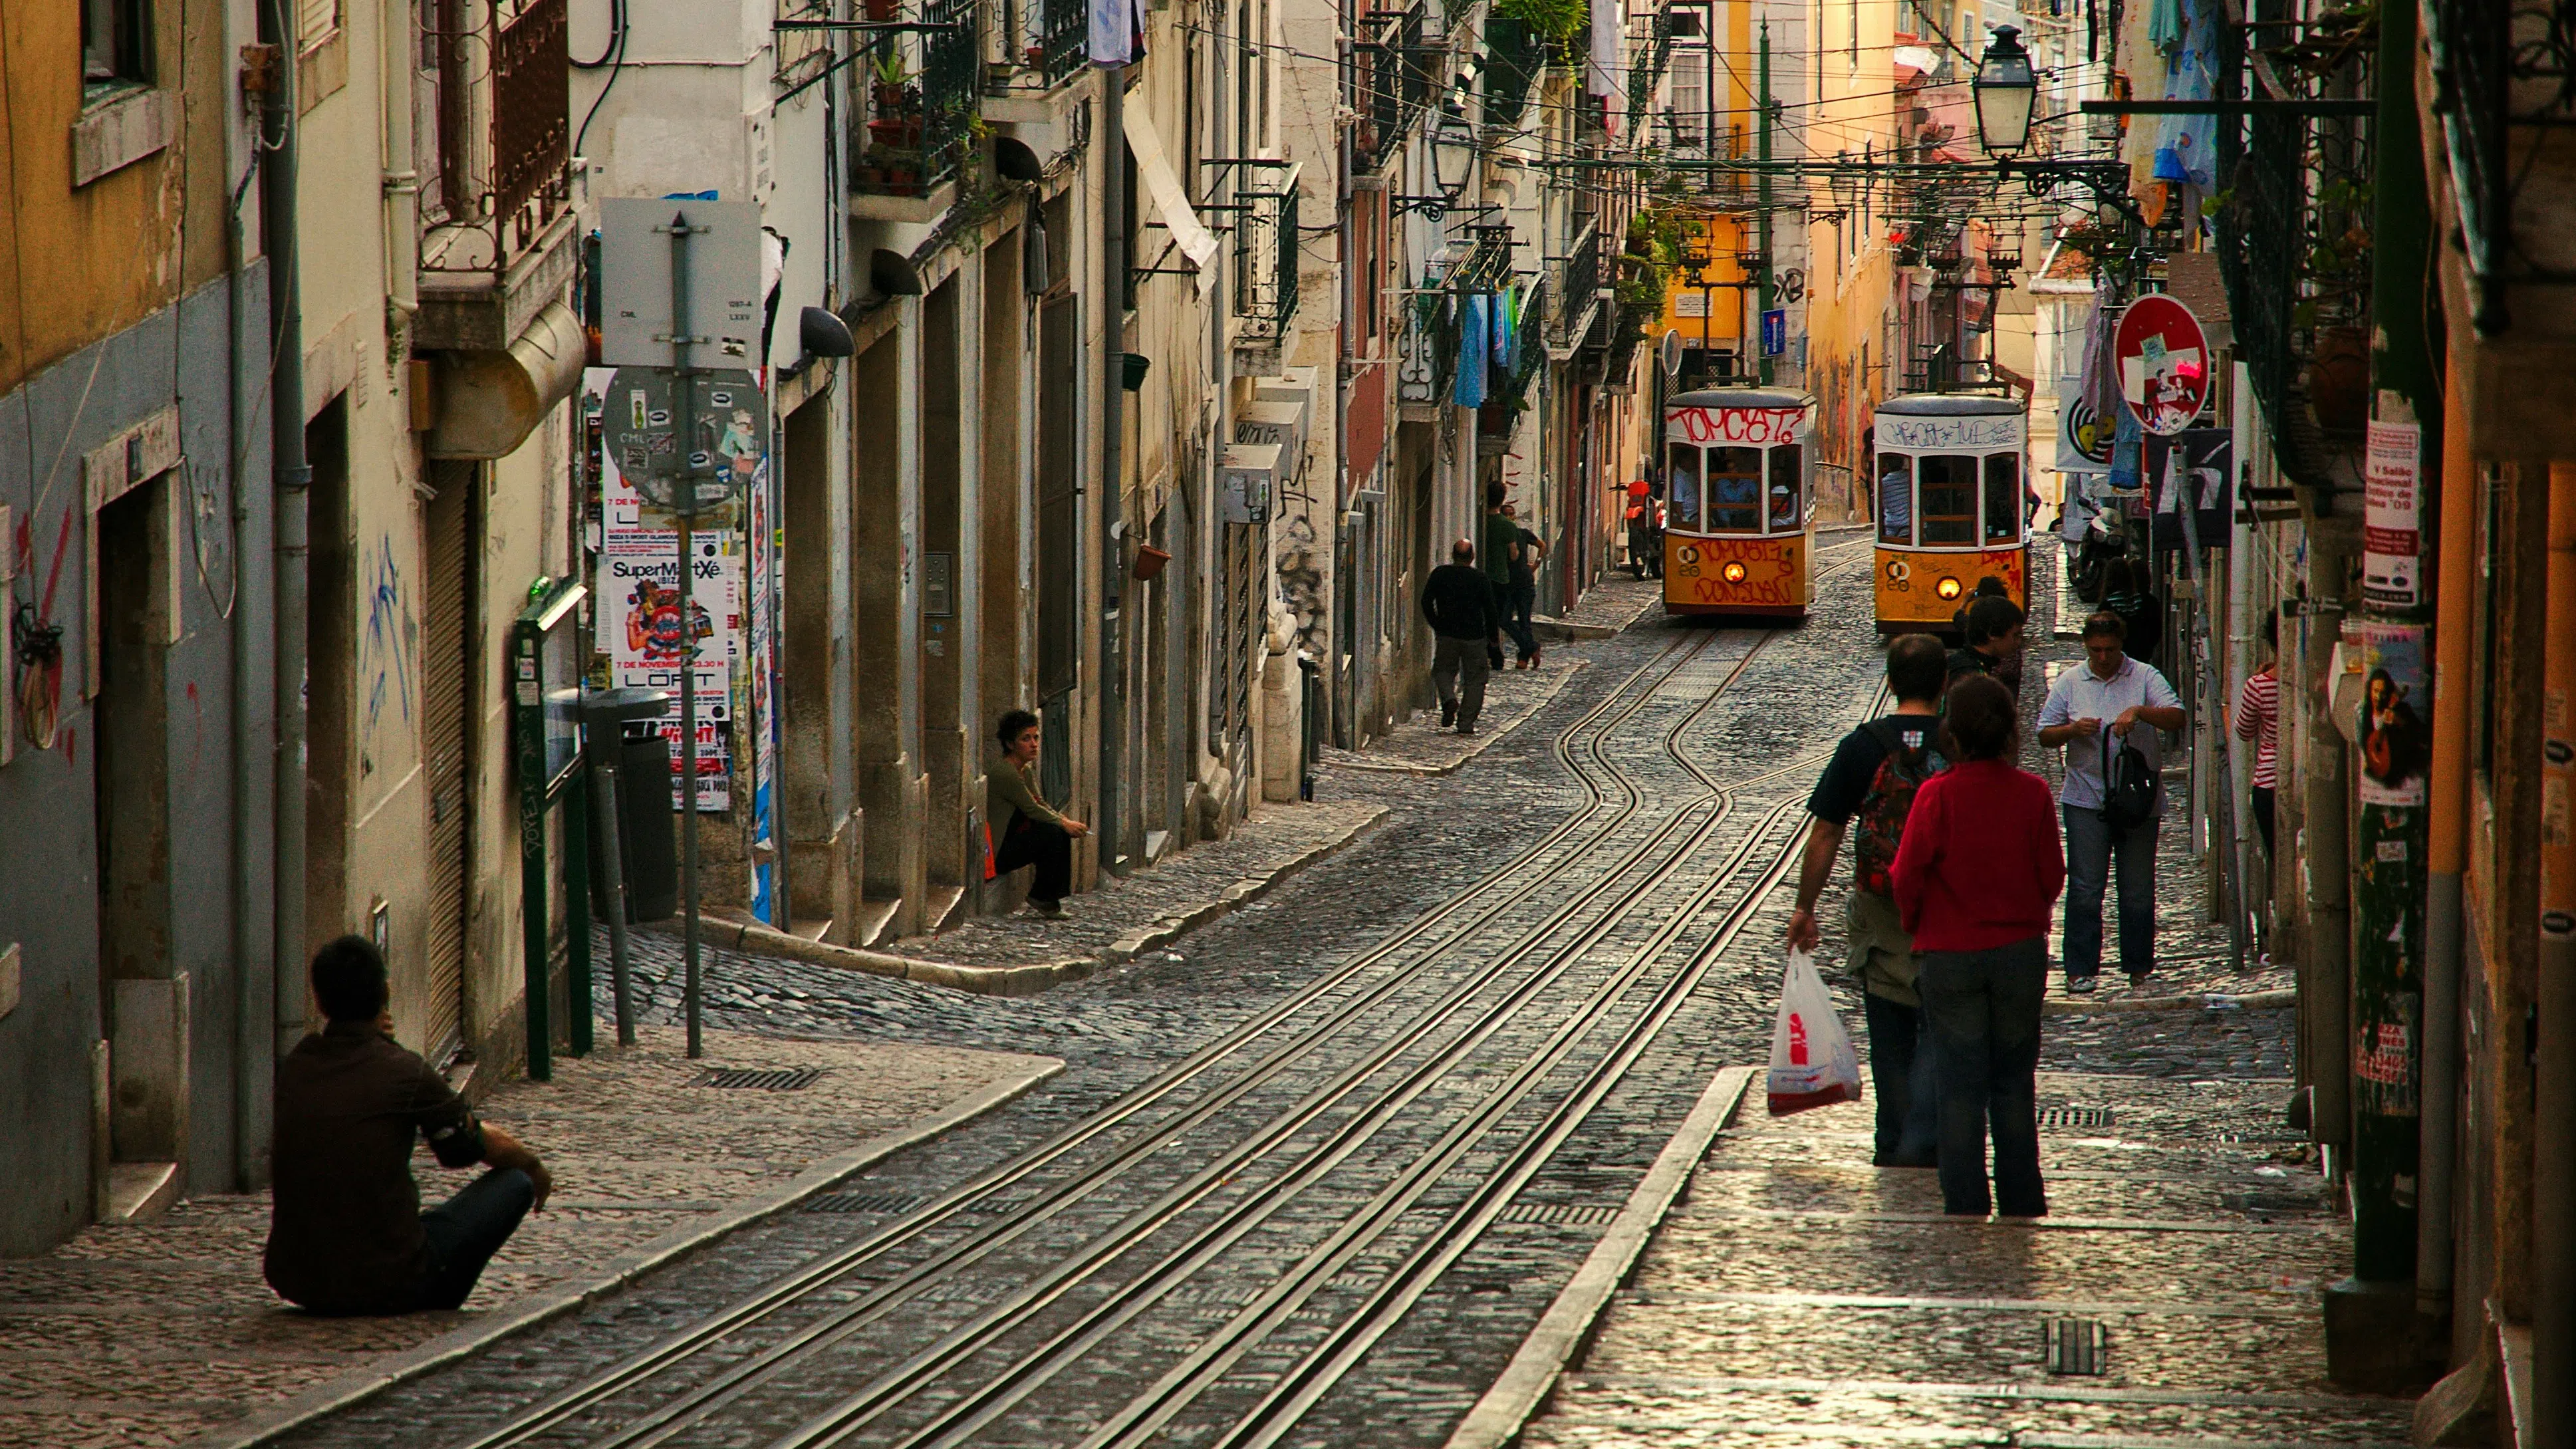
(1979,868)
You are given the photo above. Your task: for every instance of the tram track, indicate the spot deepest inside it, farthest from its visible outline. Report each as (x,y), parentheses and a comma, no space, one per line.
(1579,741)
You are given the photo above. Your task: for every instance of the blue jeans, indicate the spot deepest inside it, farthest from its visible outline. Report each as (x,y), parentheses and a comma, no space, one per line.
(1984,1010)
(2090,855)
(467,1229)
(1900,1071)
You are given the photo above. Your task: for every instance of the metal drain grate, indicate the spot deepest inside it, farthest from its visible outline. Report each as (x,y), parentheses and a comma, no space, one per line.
(760,1079)
(2062,1117)
(2076,1345)
(1567,1215)
(864,1202)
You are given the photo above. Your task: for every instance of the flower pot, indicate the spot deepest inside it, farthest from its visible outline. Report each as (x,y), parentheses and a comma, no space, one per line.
(889,97)
(1149,562)
(1036,56)
(2339,379)
(880,10)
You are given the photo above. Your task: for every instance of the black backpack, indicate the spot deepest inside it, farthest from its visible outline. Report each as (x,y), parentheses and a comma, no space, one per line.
(2129,786)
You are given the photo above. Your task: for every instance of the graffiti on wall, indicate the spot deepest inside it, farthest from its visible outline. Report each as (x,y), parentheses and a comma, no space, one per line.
(1302,564)
(385,647)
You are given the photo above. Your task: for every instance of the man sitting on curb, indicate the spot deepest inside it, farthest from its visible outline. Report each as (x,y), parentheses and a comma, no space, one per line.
(346,1234)
(1033,832)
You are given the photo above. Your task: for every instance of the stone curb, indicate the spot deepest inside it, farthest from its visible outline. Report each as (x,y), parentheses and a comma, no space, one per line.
(1233,898)
(751,939)
(1552,1347)
(1482,738)
(2205,1001)
(361,1384)
(1548,626)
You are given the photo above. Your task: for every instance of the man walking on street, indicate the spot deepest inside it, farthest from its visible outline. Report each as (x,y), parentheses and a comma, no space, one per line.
(1524,596)
(1458,603)
(1874,774)
(1992,626)
(1500,545)
(2094,710)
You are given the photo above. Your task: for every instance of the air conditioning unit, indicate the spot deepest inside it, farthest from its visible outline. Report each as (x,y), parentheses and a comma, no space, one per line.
(1246,475)
(1276,423)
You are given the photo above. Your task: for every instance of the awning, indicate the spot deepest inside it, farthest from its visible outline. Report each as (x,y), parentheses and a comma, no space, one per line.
(1171,199)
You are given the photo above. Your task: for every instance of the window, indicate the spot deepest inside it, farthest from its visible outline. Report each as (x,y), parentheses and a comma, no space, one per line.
(315,22)
(1788,489)
(2003,498)
(1681,503)
(116,44)
(1948,488)
(1735,490)
(1895,498)
(1688,115)
(1682,465)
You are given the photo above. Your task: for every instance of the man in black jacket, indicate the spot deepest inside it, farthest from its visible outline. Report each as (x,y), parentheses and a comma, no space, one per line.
(1458,601)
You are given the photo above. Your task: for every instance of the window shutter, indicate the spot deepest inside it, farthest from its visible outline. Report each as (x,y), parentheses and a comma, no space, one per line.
(316,20)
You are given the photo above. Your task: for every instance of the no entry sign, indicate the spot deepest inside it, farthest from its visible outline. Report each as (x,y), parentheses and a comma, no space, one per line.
(2164,363)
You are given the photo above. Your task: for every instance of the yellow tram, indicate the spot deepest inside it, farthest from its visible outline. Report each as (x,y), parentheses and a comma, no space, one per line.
(1948,494)
(1739,502)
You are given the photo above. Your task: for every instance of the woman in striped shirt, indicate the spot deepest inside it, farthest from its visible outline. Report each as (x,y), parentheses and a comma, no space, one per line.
(2258,718)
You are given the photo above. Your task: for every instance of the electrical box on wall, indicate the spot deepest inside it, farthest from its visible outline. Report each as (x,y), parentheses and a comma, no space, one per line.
(1247,474)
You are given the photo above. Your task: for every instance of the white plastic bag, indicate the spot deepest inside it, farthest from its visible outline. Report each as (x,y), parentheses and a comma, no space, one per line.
(1812,1062)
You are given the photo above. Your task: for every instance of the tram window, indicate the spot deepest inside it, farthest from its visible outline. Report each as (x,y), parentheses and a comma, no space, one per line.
(1895,498)
(1682,462)
(2003,497)
(1735,490)
(1947,485)
(1681,502)
(1788,481)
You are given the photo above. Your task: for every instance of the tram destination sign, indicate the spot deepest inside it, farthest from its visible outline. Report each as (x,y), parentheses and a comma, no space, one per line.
(1965,433)
(2163,360)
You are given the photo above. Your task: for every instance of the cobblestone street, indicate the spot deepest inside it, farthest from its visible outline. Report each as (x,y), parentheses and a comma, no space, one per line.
(1316,1167)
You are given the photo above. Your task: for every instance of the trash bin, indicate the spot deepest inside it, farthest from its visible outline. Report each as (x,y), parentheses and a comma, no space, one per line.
(646,825)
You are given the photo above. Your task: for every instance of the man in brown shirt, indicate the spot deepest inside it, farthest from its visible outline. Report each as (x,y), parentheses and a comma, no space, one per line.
(1028,831)
(346,1233)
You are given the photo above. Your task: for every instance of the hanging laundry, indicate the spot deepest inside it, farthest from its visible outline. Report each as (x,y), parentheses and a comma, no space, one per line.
(1472,342)
(1507,336)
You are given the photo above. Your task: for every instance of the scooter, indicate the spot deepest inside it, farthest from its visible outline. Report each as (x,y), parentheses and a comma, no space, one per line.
(2106,537)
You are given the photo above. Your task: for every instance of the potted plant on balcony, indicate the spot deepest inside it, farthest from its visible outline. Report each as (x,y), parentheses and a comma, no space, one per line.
(902,169)
(880,11)
(893,84)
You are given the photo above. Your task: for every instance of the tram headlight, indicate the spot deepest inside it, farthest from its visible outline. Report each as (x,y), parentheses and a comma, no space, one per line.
(1734,572)
(1948,588)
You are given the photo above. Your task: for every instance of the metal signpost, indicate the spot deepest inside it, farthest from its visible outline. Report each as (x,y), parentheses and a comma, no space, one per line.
(690,437)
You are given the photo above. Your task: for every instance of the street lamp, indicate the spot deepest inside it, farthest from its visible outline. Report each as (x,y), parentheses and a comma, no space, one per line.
(1453,155)
(2005,90)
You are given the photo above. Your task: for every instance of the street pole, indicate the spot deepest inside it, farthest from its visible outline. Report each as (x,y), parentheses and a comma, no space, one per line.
(1762,317)
(684,405)
(2553,1176)
(1109,499)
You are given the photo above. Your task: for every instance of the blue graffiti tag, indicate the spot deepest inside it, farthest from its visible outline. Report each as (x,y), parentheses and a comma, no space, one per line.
(388,641)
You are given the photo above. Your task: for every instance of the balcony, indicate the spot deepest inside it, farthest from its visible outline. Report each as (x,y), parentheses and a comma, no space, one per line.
(1574,291)
(1265,257)
(1427,351)
(497,198)
(1036,45)
(1515,56)
(1390,82)
(1650,49)
(912,134)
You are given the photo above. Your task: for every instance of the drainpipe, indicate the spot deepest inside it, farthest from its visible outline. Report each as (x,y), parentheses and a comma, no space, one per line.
(2325,990)
(294,482)
(255,991)
(2553,1177)
(2445,856)
(1111,502)
(401,183)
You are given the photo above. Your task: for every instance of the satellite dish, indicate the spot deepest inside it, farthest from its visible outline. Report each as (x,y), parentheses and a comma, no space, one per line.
(1670,351)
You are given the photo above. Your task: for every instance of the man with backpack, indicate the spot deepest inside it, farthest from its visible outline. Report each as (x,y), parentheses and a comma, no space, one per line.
(1873,776)
(2112,797)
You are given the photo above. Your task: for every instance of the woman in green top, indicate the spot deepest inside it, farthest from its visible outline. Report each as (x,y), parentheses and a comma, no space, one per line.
(1032,832)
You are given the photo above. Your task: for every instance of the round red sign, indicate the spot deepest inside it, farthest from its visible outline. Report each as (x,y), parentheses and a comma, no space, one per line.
(2164,363)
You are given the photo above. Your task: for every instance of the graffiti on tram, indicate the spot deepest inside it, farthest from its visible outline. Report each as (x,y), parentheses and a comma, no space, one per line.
(1756,573)
(1908,573)
(1735,425)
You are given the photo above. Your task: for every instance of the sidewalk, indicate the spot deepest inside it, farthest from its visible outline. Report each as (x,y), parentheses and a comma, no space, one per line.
(148,1334)
(1799,1296)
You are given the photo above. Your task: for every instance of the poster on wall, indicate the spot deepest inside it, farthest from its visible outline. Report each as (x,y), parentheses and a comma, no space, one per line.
(756,681)
(2392,515)
(2395,742)
(2189,471)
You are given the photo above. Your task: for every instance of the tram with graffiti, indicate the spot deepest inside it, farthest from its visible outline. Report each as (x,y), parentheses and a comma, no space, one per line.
(1739,503)
(1949,492)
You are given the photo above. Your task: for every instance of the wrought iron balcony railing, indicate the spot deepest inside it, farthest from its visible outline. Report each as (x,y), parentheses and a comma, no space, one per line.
(1576,286)
(1515,55)
(1390,81)
(922,94)
(498,188)
(1037,44)
(1650,49)
(2507,76)
(1265,254)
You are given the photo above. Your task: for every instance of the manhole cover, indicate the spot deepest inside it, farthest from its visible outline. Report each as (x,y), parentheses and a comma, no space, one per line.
(760,1079)
(2076,1345)
(863,1202)
(2074,1117)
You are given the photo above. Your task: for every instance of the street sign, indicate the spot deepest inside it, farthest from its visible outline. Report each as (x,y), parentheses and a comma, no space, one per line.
(1669,351)
(1775,332)
(2163,359)
(722,282)
(688,452)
